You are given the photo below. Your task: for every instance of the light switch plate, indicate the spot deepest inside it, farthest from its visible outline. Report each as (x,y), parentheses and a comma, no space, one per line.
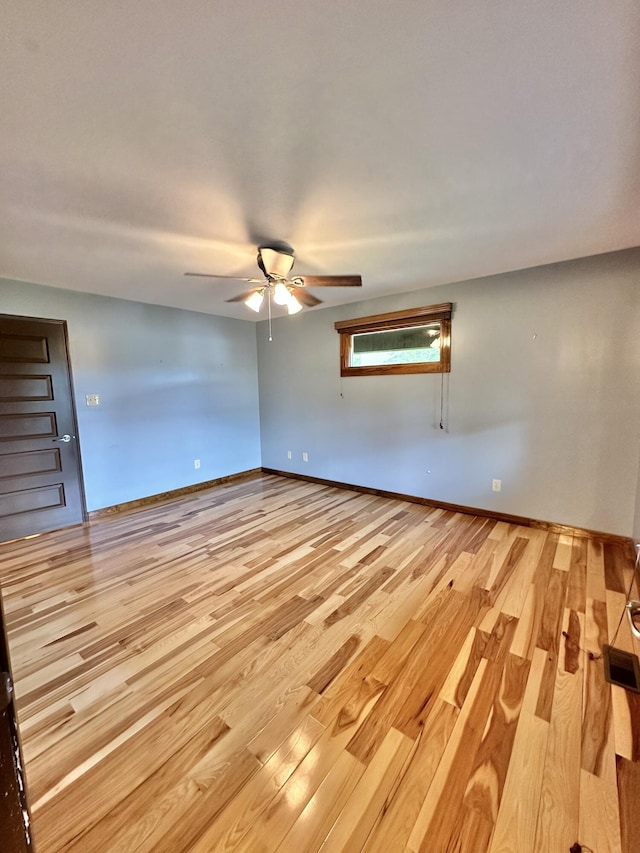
(93,399)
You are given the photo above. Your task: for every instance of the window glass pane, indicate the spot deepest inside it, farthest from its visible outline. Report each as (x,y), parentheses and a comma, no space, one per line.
(397,346)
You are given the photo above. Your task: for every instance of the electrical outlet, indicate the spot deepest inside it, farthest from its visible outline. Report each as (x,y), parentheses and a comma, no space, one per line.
(496,485)
(305,457)
(196,463)
(93,399)
(289,454)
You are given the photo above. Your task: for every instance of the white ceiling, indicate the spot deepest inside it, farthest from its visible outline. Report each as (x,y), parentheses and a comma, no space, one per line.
(414,142)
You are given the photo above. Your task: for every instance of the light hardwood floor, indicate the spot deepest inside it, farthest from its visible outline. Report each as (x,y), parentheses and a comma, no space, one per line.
(278,665)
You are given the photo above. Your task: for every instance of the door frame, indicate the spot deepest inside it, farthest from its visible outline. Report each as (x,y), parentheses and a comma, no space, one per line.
(74,415)
(20,828)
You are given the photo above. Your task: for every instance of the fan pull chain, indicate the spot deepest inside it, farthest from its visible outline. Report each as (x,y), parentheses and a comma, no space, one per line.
(269,306)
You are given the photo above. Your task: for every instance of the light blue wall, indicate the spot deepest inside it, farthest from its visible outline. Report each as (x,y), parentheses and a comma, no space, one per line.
(554,417)
(174,386)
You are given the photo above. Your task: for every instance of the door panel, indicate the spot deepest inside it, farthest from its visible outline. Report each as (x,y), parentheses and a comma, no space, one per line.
(14,427)
(26,349)
(31,463)
(40,479)
(31,500)
(21,389)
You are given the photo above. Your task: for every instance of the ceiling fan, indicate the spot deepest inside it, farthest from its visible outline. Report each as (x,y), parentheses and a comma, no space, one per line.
(276,260)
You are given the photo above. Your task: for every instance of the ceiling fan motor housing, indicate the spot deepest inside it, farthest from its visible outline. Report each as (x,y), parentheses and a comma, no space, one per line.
(275,262)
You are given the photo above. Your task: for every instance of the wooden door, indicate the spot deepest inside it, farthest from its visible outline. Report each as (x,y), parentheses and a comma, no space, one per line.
(40,478)
(15,836)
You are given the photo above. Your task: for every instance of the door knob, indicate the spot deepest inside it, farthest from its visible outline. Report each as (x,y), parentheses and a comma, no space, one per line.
(65,438)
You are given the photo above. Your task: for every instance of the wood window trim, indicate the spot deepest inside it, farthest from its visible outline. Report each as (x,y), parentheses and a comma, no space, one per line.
(397,320)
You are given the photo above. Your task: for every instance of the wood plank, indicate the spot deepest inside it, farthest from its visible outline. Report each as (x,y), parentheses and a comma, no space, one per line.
(287,806)
(597,693)
(330,670)
(444,801)
(486,783)
(577,588)
(316,820)
(462,673)
(229,830)
(549,634)
(157,743)
(599,816)
(629,793)
(515,829)
(368,800)
(557,825)
(400,814)
(407,701)
(142,819)
(530,618)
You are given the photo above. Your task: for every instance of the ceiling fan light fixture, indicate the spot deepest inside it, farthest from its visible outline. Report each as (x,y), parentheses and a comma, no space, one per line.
(281,295)
(293,306)
(254,301)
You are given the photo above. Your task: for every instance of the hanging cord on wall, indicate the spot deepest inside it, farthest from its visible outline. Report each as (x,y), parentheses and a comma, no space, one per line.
(441,400)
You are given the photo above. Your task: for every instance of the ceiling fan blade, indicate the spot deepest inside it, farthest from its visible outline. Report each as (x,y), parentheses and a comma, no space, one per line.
(228,277)
(242,296)
(304,297)
(330,280)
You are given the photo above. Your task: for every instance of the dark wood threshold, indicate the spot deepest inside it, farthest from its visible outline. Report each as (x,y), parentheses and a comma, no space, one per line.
(174,493)
(551,526)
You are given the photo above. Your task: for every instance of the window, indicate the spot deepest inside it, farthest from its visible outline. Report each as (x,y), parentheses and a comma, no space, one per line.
(414,341)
